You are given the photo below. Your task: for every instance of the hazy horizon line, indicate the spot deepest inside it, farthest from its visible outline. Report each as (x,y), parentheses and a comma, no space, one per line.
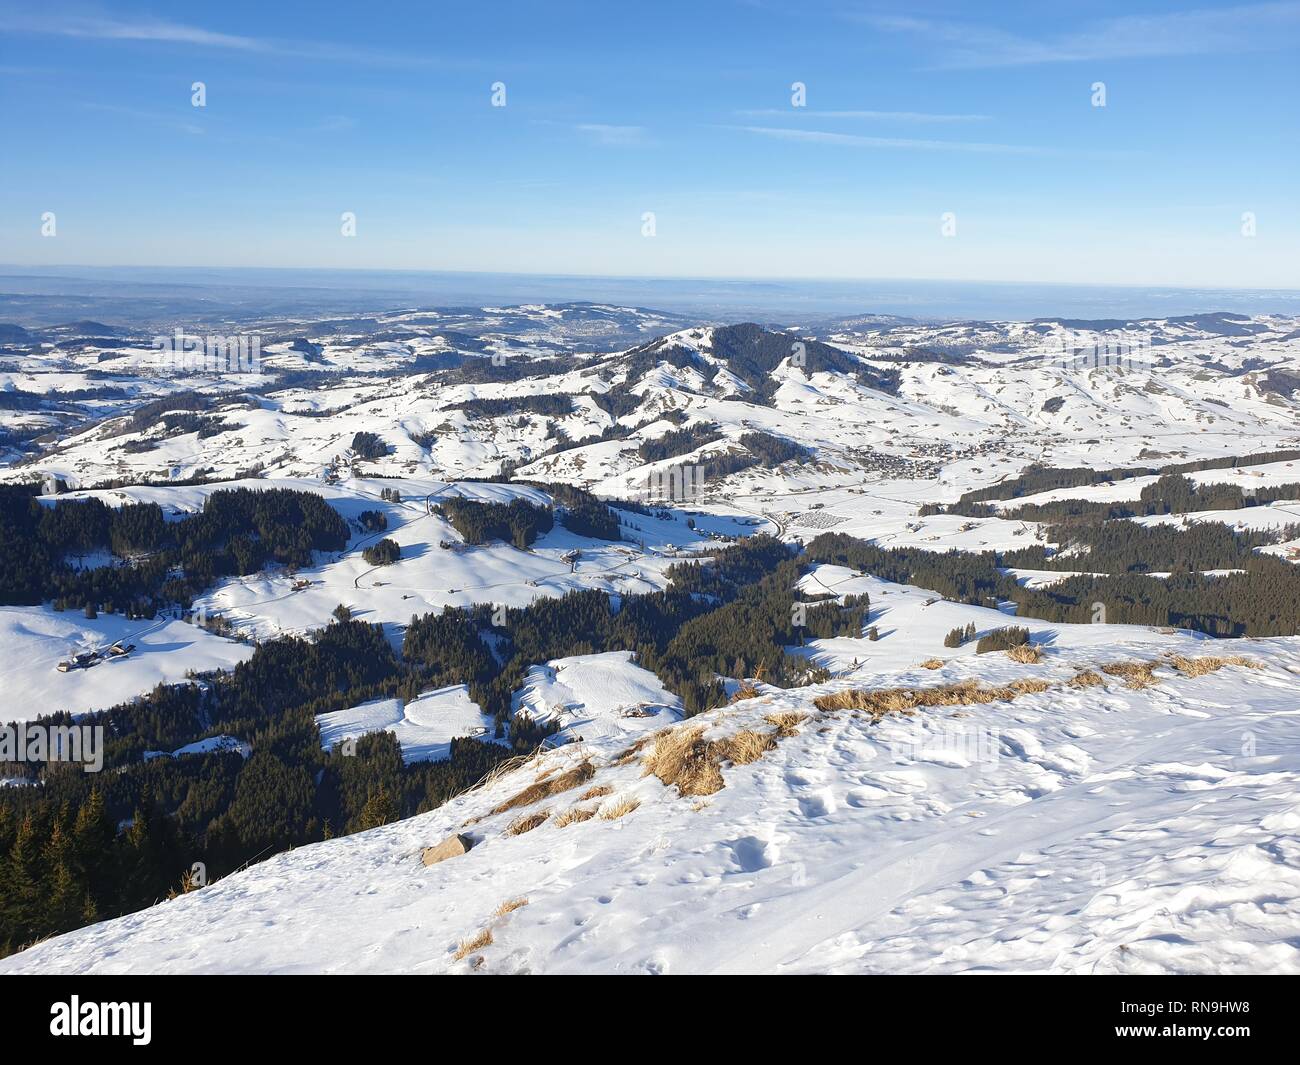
(5,269)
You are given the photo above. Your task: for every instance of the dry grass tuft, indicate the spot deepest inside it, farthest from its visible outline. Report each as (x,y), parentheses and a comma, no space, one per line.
(468,946)
(502,769)
(545,788)
(1026,654)
(599,791)
(932,663)
(509,906)
(878,703)
(745,691)
(527,823)
(786,722)
(906,701)
(1134,674)
(618,809)
(1198,667)
(744,747)
(1086,678)
(683,757)
(574,815)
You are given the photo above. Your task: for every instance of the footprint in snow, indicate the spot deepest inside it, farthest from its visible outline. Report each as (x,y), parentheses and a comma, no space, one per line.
(752,854)
(819,804)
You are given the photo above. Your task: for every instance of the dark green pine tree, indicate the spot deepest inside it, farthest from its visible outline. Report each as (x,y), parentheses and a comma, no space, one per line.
(379,810)
(63,888)
(20,888)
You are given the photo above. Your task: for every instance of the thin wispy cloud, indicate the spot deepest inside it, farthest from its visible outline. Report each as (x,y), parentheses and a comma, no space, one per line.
(167,32)
(920,117)
(107,29)
(855,140)
(1251,27)
(612,135)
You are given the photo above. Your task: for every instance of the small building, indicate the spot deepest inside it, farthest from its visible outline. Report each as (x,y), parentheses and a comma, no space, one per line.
(79,661)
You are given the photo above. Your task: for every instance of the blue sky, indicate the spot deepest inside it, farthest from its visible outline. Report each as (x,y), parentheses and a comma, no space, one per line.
(913,110)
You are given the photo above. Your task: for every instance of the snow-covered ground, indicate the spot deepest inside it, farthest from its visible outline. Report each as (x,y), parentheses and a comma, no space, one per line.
(911,624)
(1089,829)
(37,639)
(424,727)
(590,696)
(212,745)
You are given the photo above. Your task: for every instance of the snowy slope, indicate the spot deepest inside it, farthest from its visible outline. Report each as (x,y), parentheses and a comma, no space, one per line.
(1075,829)
(424,727)
(36,639)
(601,696)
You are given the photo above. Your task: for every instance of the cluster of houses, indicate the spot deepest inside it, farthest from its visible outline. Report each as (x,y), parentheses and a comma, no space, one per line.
(86,659)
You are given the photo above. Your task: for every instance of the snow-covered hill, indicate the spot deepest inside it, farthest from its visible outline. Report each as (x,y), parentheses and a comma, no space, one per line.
(1094,825)
(920,411)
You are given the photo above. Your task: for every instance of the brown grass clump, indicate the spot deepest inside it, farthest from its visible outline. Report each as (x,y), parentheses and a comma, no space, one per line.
(618,809)
(1134,674)
(545,788)
(745,746)
(574,815)
(1026,654)
(1198,667)
(468,946)
(1086,678)
(509,906)
(932,663)
(599,791)
(906,701)
(745,691)
(527,823)
(683,757)
(786,722)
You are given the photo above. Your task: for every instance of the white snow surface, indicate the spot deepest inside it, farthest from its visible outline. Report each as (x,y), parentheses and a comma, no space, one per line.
(36,639)
(424,727)
(211,745)
(1097,829)
(1085,830)
(591,696)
